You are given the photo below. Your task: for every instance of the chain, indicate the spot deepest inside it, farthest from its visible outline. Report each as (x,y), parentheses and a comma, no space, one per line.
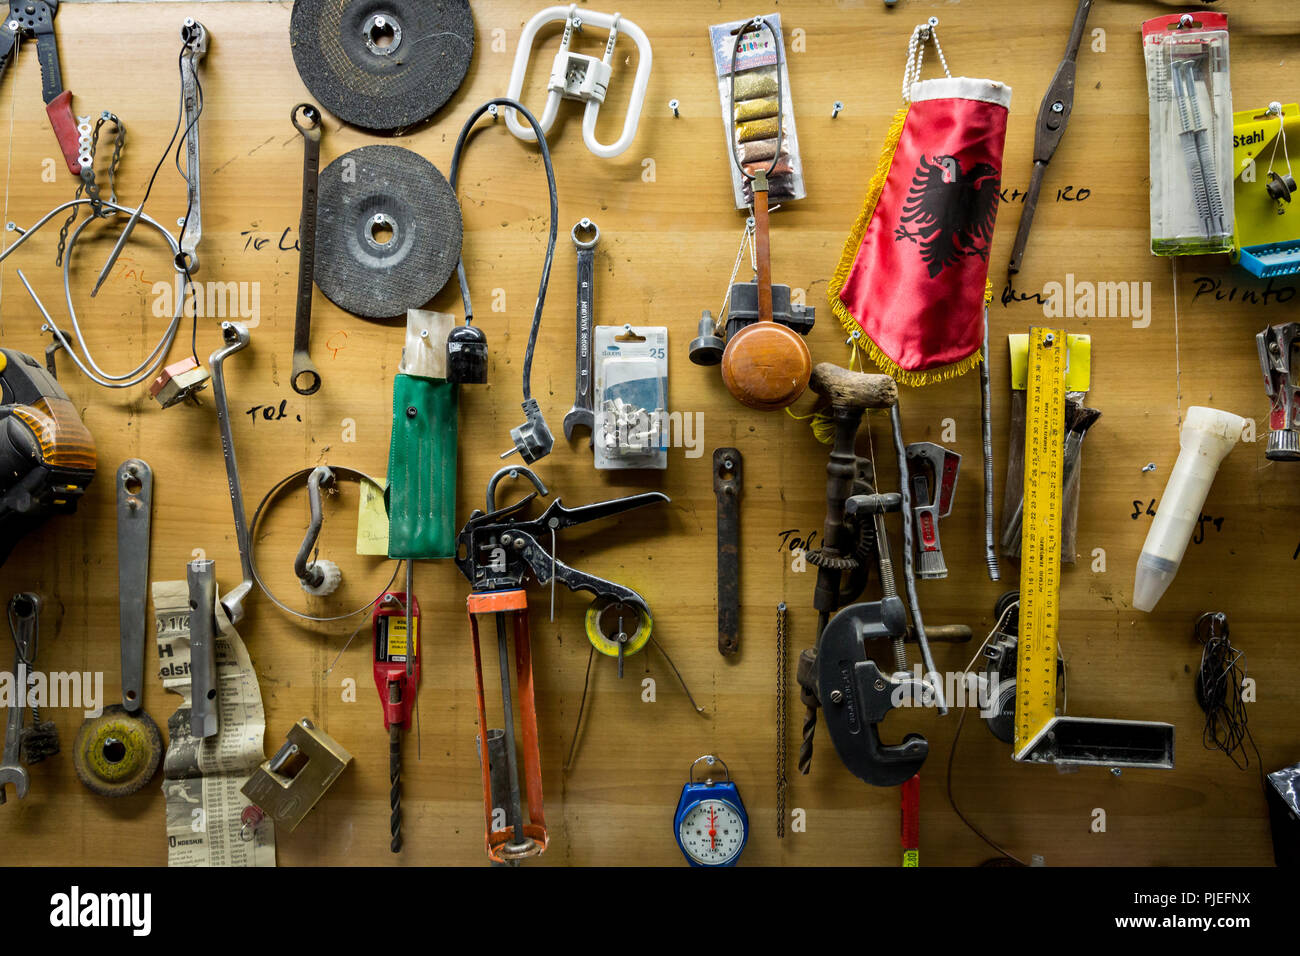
(89,186)
(781,654)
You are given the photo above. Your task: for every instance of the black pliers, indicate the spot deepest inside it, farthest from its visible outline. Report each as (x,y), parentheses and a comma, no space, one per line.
(34,19)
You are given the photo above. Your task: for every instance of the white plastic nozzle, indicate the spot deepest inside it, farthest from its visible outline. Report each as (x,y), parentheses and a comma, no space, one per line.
(1205,440)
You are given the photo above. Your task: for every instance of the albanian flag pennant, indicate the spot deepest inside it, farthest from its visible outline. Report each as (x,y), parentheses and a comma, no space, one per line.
(914,270)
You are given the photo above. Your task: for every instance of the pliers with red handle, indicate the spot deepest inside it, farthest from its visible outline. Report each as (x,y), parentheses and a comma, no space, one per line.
(35,19)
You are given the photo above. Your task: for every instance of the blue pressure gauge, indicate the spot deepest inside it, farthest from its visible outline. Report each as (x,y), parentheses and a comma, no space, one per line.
(711,824)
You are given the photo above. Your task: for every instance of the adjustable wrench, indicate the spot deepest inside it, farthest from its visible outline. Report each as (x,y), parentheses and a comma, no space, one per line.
(582,414)
(236,338)
(24,612)
(204,714)
(305,380)
(932,470)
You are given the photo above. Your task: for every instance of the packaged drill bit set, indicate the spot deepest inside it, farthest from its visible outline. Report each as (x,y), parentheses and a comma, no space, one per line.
(1079,418)
(757,110)
(631,375)
(1190,101)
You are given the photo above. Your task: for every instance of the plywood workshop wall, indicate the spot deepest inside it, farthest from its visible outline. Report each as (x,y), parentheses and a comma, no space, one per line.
(669,234)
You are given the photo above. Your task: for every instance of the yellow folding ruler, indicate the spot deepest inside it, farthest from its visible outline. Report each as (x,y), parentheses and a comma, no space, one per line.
(1040,548)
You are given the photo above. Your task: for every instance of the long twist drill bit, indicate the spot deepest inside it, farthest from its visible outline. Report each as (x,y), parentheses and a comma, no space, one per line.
(395,778)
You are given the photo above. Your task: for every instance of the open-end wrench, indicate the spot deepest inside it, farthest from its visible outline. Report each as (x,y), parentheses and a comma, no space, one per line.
(582,414)
(728,476)
(195,37)
(236,338)
(306,119)
(24,614)
(134,501)
(204,715)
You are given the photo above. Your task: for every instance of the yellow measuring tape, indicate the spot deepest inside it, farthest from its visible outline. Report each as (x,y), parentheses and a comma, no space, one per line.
(1040,548)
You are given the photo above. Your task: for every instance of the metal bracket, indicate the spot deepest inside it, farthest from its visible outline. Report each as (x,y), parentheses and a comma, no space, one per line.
(728,473)
(134,506)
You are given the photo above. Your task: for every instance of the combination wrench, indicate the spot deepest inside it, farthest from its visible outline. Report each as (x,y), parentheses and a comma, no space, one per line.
(24,615)
(195,37)
(306,119)
(582,414)
(236,339)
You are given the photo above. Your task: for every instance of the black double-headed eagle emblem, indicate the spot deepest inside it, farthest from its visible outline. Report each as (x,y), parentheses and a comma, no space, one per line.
(951,212)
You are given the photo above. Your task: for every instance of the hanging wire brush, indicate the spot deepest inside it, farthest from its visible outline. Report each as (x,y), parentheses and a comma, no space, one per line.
(1218,691)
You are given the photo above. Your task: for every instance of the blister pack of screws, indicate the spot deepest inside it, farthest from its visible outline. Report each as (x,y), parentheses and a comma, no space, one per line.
(631,374)
(1190,99)
(758,119)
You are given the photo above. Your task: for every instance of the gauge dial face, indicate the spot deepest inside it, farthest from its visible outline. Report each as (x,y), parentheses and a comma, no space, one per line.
(712,832)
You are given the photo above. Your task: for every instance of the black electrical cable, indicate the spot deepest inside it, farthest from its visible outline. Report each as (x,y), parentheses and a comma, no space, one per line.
(550,244)
(1218,692)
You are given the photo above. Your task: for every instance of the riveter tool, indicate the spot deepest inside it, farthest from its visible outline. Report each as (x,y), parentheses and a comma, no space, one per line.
(1053,115)
(498,551)
(34,19)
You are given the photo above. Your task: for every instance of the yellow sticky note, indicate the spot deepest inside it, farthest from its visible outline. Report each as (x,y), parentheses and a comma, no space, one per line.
(372,521)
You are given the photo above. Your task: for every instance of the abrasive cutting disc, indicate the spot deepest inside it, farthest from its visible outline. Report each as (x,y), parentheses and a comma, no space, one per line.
(117,753)
(382,64)
(388,231)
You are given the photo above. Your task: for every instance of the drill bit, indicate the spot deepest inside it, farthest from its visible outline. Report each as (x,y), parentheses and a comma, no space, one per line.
(395,776)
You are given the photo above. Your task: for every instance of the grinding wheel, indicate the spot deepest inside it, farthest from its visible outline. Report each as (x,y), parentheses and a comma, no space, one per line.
(388,231)
(117,753)
(382,64)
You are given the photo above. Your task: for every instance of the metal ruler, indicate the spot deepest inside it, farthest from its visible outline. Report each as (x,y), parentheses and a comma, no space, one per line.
(1040,554)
